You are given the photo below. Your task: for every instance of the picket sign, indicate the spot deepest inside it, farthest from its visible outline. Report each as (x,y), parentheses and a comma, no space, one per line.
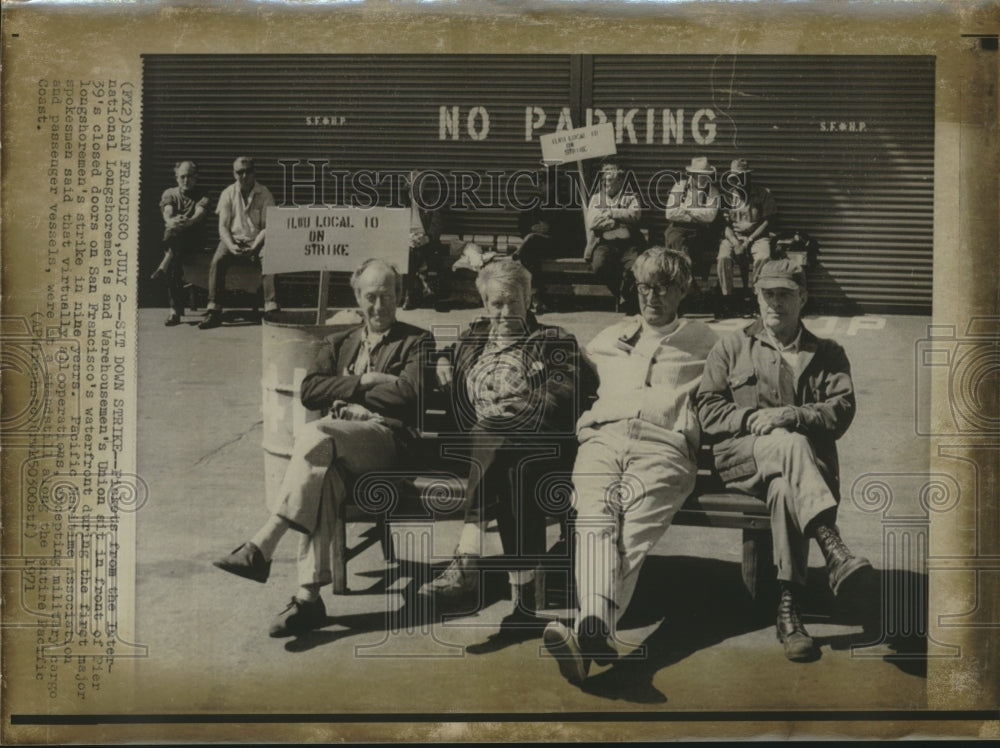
(333,239)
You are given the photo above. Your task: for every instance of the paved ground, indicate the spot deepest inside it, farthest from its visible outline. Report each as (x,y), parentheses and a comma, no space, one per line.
(200,424)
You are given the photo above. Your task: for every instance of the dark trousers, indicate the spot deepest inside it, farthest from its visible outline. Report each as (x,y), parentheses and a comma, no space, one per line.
(424,261)
(180,250)
(699,243)
(526,480)
(533,251)
(221,261)
(612,265)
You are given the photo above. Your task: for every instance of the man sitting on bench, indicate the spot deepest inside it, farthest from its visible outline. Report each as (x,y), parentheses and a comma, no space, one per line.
(365,380)
(637,457)
(242,213)
(774,399)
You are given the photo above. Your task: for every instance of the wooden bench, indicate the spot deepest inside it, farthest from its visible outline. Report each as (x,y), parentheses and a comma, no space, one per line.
(437,490)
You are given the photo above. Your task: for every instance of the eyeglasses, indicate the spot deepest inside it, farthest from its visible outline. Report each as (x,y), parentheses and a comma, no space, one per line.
(241,172)
(645,289)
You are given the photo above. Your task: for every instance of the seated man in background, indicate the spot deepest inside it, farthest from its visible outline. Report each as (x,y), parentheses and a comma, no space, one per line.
(535,228)
(774,400)
(428,255)
(636,462)
(365,381)
(242,213)
(750,216)
(515,390)
(693,219)
(184,209)
(613,236)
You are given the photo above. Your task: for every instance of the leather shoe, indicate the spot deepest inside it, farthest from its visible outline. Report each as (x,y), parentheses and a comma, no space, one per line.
(173,320)
(272,315)
(840,562)
(799,646)
(298,618)
(562,644)
(246,561)
(213,318)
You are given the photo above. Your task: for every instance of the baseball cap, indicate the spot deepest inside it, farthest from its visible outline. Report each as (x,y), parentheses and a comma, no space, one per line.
(780,274)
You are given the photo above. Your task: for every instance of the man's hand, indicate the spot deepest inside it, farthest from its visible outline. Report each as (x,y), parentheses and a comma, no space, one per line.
(372,378)
(766,420)
(444,371)
(602,222)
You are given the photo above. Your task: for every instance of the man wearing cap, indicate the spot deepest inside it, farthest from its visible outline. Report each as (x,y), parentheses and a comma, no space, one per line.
(750,213)
(613,236)
(242,213)
(692,216)
(773,400)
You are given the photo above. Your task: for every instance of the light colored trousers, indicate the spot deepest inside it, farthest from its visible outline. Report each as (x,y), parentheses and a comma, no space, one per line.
(325,452)
(788,475)
(760,250)
(629,482)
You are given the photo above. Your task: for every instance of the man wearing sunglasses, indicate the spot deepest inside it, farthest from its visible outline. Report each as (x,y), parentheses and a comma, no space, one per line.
(636,461)
(242,213)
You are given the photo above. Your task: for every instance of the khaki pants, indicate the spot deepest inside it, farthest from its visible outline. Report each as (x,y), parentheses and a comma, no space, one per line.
(796,492)
(325,452)
(630,479)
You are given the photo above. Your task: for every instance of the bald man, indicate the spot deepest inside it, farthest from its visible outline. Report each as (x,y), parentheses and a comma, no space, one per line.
(365,381)
(242,213)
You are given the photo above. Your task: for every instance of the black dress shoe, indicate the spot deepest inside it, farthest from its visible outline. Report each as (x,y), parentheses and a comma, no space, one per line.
(272,315)
(246,561)
(799,646)
(173,320)
(213,318)
(298,618)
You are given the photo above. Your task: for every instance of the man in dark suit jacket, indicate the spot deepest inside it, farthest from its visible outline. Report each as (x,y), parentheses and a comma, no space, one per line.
(365,381)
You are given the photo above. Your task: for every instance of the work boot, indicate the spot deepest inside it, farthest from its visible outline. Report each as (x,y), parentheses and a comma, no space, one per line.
(840,562)
(799,646)
(459,579)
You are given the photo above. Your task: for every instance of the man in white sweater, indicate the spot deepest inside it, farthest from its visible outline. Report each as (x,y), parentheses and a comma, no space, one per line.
(636,461)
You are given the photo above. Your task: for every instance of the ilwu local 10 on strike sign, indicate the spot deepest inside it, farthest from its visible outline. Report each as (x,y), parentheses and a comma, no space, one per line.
(334,239)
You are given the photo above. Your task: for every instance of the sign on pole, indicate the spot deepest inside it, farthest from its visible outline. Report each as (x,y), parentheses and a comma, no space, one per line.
(334,238)
(582,143)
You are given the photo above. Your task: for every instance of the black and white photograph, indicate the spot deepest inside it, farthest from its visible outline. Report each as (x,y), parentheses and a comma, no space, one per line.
(587,391)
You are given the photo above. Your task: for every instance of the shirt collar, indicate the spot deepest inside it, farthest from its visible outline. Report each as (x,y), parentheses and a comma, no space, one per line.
(792,347)
(372,339)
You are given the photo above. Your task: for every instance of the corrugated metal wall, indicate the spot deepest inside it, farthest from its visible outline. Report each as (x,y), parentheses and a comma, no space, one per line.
(845,143)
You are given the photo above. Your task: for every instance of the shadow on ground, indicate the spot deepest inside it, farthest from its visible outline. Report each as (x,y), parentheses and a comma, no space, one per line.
(694,603)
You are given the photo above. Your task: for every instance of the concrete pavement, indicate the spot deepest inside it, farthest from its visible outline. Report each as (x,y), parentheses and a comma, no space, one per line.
(200,452)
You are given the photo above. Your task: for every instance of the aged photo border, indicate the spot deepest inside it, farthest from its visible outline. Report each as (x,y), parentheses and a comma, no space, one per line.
(964,239)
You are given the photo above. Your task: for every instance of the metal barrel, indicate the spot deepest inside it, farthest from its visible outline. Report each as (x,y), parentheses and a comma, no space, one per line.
(290,344)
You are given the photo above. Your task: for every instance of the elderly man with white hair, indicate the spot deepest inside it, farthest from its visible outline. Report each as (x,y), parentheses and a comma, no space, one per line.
(516,390)
(365,381)
(636,461)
